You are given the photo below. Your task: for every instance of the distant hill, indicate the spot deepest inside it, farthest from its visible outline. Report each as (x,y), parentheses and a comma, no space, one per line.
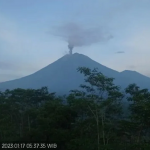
(61,76)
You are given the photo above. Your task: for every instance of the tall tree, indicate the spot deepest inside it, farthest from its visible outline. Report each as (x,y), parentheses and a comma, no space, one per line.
(103,100)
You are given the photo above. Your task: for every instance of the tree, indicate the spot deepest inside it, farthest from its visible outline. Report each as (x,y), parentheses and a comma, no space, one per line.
(140,111)
(102,98)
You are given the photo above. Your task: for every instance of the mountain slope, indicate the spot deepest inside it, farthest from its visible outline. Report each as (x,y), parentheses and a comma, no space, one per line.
(135,77)
(62,76)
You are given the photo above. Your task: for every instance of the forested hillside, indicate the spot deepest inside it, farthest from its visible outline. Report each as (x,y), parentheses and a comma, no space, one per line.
(92,118)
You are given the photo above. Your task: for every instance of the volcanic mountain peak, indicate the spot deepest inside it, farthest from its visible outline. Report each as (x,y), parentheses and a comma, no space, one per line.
(61,76)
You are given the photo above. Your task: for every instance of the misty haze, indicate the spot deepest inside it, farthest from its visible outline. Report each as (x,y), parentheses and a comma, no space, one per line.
(74,75)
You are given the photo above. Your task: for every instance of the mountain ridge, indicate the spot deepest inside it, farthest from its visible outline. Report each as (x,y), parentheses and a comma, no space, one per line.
(61,76)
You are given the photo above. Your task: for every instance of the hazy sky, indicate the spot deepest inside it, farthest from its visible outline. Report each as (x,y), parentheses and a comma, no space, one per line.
(27,45)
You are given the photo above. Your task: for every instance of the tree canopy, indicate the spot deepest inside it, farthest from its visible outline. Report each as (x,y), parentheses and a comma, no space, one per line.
(88,119)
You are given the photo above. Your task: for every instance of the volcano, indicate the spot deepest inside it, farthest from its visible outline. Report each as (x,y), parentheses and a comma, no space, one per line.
(61,76)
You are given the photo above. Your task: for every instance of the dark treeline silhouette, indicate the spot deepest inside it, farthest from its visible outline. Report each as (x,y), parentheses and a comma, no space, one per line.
(92,118)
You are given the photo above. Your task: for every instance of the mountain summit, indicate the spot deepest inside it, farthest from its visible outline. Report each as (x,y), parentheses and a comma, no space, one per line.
(61,76)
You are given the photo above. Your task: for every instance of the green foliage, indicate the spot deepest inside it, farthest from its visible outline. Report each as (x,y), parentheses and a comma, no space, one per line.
(89,119)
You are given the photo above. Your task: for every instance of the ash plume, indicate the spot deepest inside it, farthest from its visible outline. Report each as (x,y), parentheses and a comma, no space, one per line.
(70,46)
(78,36)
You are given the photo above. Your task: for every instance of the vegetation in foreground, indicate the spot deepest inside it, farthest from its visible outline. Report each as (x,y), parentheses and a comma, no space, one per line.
(92,118)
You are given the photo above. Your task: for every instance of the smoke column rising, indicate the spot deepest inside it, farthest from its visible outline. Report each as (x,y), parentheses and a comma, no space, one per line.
(77,36)
(70,48)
